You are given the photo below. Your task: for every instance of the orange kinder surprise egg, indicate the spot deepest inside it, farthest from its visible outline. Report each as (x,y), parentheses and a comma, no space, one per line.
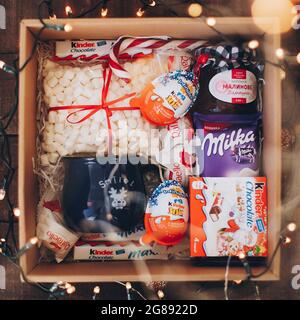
(166,217)
(167,97)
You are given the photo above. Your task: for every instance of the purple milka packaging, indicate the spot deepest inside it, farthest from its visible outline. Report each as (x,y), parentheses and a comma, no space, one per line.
(228,145)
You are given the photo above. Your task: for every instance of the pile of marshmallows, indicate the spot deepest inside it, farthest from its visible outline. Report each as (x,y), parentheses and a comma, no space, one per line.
(66,85)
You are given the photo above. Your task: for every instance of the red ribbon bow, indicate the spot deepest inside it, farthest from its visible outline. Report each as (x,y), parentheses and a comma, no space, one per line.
(95,108)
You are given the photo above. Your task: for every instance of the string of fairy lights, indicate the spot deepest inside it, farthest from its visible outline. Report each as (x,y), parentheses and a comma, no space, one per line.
(13,254)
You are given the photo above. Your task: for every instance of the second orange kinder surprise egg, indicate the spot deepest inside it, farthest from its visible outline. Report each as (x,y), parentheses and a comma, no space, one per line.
(166,217)
(167,97)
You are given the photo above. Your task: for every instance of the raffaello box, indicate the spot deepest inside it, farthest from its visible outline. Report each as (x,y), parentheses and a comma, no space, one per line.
(228,216)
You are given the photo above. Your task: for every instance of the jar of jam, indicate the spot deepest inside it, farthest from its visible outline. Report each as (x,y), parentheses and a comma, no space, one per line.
(230,81)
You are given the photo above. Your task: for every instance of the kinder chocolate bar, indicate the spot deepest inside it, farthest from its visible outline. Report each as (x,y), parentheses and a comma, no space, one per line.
(229,144)
(105,251)
(86,49)
(240,223)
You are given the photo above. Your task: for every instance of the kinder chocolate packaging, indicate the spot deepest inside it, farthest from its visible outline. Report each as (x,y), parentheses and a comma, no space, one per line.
(231,81)
(105,251)
(228,217)
(176,153)
(228,145)
(166,216)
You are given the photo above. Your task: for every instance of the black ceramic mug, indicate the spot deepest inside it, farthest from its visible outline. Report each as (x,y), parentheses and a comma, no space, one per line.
(102,197)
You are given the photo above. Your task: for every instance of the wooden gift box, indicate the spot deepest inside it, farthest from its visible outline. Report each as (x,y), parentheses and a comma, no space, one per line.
(180,28)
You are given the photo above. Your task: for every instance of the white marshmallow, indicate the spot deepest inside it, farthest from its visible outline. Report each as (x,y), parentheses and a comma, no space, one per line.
(60,97)
(64,81)
(52,82)
(53,157)
(44,160)
(59,128)
(136,113)
(48,147)
(60,149)
(53,101)
(83,78)
(48,90)
(69,74)
(84,131)
(59,73)
(59,138)
(97,83)
(132,123)
(87,93)
(77,91)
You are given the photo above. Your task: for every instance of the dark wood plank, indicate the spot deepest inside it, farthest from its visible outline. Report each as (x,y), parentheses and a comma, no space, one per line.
(7,94)
(13,191)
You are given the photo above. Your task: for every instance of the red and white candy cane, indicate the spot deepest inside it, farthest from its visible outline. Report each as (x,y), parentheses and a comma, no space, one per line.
(135,45)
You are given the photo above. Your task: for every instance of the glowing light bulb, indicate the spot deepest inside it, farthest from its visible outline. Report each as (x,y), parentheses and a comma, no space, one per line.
(128,285)
(242,255)
(253,44)
(67,285)
(298,57)
(2,64)
(237,281)
(279,53)
(292,226)
(34,240)
(160,294)
(68,11)
(68,27)
(211,21)
(152,3)
(195,10)
(17,212)
(2,240)
(97,290)
(2,191)
(104,12)
(287,240)
(140,12)
(71,290)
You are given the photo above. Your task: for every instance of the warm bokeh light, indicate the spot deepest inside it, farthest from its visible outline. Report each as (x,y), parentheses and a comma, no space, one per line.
(292,226)
(211,21)
(97,290)
(140,12)
(2,191)
(17,212)
(280,9)
(253,44)
(34,240)
(298,57)
(195,10)
(279,53)
(128,285)
(160,294)
(68,28)
(68,10)
(104,12)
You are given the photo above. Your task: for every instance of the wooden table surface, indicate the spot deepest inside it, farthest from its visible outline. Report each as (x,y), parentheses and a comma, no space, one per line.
(20,9)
